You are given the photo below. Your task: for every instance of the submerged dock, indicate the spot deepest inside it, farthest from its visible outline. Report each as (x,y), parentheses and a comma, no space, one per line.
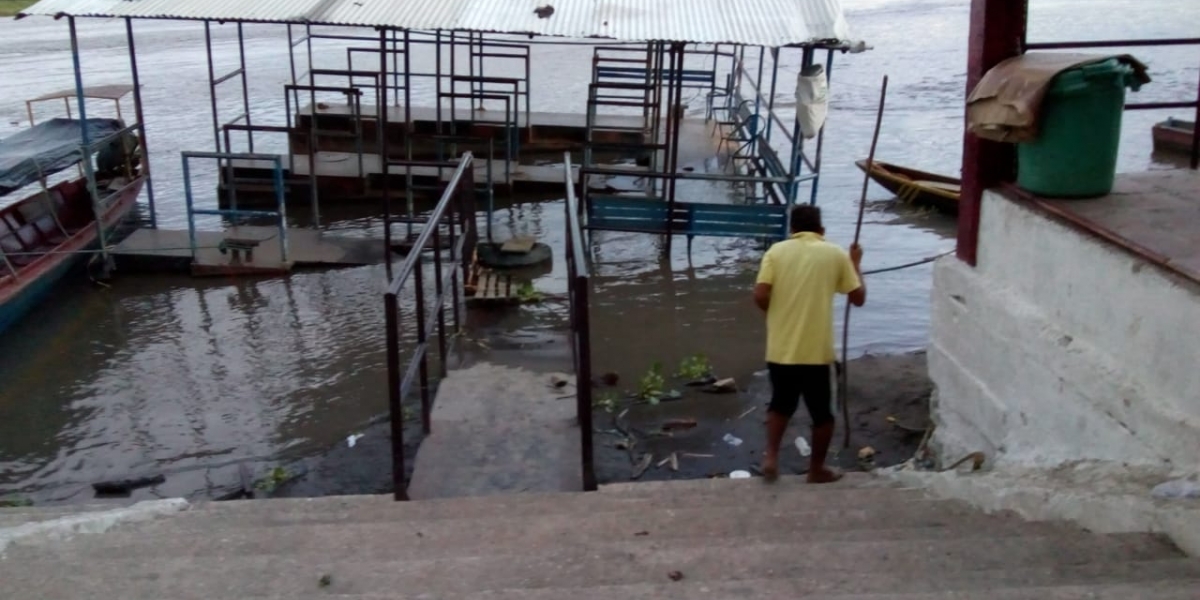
(167,250)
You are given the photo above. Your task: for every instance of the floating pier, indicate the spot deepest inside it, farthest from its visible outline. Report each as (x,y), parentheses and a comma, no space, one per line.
(167,250)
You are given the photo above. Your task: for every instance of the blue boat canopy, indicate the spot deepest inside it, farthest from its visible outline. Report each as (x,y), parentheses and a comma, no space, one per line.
(47,148)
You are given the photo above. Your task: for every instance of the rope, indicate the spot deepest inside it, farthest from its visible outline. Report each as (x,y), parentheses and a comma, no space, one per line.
(918,263)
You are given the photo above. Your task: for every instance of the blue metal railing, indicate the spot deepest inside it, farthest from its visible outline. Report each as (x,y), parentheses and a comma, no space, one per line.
(280,214)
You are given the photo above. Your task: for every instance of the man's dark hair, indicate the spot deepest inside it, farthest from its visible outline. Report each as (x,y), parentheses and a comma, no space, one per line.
(806,217)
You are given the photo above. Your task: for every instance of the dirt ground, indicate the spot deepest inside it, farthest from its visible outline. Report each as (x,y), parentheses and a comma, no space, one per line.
(889,409)
(880,387)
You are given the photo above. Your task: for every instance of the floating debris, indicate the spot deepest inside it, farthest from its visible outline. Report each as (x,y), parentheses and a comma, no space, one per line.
(721,386)
(732,440)
(740,474)
(353,438)
(673,424)
(641,467)
(747,411)
(803,447)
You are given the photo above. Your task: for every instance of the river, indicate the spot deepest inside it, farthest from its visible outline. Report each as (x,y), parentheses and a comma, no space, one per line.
(190,377)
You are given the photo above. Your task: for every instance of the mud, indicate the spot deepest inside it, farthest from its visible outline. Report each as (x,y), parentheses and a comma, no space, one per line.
(880,387)
(895,386)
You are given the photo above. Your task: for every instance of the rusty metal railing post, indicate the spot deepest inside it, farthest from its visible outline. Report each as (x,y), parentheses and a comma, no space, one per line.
(440,308)
(578,282)
(400,379)
(395,406)
(422,337)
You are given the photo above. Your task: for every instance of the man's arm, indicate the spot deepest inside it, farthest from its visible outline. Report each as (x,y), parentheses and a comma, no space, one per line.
(762,285)
(857,295)
(762,295)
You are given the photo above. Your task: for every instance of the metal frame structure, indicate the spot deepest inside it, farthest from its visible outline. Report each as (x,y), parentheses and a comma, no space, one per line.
(652,77)
(88,146)
(660,76)
(279,214)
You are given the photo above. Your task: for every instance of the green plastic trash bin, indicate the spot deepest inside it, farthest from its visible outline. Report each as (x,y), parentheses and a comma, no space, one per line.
(1075,153)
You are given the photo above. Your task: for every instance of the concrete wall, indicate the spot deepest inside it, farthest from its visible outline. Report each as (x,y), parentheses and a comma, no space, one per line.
(1058,347)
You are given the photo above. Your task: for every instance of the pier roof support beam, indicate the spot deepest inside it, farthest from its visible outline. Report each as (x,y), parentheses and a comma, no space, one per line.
(997,32)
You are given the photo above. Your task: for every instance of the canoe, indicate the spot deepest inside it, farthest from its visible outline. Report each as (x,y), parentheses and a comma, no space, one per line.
(916,187)
(46,235)
(56,227)
(1173,135)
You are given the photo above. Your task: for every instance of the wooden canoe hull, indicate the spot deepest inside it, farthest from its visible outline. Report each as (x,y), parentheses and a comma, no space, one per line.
(34,281)
(1173,135)
(916,187)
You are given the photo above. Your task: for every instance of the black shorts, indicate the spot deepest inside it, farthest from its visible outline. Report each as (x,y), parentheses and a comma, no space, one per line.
(813,382)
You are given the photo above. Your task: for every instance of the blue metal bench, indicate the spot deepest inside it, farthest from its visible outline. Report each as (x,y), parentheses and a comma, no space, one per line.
(646,214)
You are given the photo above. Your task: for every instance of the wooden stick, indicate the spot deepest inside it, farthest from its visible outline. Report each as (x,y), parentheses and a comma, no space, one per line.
(843,392)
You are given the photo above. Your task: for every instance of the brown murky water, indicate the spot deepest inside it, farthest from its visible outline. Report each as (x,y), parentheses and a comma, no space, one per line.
(189,378)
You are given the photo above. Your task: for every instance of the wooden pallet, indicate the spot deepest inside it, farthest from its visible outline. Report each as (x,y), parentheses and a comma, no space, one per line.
(485,286)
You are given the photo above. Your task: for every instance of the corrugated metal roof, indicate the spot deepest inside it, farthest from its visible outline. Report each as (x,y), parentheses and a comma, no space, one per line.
(752,22)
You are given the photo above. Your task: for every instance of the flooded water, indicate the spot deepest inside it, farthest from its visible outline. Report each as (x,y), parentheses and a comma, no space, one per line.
(190,377)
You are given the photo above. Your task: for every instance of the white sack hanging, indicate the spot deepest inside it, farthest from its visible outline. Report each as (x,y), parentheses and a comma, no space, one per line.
(812,100)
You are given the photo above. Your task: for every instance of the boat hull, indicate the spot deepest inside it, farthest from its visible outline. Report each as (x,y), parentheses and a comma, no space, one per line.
(916,187)
(38,280)
(1173,135)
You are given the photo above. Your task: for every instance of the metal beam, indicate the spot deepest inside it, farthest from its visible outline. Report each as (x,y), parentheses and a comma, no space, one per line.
(997,32)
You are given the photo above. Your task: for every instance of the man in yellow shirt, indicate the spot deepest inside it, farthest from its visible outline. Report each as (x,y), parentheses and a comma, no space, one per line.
(796,284)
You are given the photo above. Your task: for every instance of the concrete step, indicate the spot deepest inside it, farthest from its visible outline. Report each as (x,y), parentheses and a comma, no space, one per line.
(473,536)
(382,508)
(15,516)
(909,566)
(724,485)
(773,589)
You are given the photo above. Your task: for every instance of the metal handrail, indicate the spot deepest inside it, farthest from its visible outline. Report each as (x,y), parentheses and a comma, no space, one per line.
(455,210)
(578,284)
(1195,104)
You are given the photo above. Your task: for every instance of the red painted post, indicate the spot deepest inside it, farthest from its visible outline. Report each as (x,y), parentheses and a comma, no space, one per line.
(997,32)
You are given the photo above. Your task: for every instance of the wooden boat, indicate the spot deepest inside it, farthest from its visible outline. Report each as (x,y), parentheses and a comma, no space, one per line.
(57,227)
(916,187)
(1173,135)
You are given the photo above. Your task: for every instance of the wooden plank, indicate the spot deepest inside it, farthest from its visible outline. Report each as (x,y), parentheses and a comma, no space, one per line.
(519,245)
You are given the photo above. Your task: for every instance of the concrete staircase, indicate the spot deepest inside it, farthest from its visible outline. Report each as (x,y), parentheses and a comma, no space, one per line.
(714,539)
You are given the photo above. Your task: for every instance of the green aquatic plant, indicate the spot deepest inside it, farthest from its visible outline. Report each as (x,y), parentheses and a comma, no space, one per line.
(272,480)
(15,502)
(527,294)
(694,368)
(652,385)
(607,401)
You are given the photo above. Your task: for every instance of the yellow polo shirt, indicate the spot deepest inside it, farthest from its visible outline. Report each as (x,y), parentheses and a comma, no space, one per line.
(804,272)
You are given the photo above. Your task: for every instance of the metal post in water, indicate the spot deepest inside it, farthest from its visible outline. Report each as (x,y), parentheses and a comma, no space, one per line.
(245,88)
(282,204)
(771,98)
(381,118)
(188,204)
(137,109)
(422,339)
(212,86)
(86,144)
(439,306)
(395,405)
